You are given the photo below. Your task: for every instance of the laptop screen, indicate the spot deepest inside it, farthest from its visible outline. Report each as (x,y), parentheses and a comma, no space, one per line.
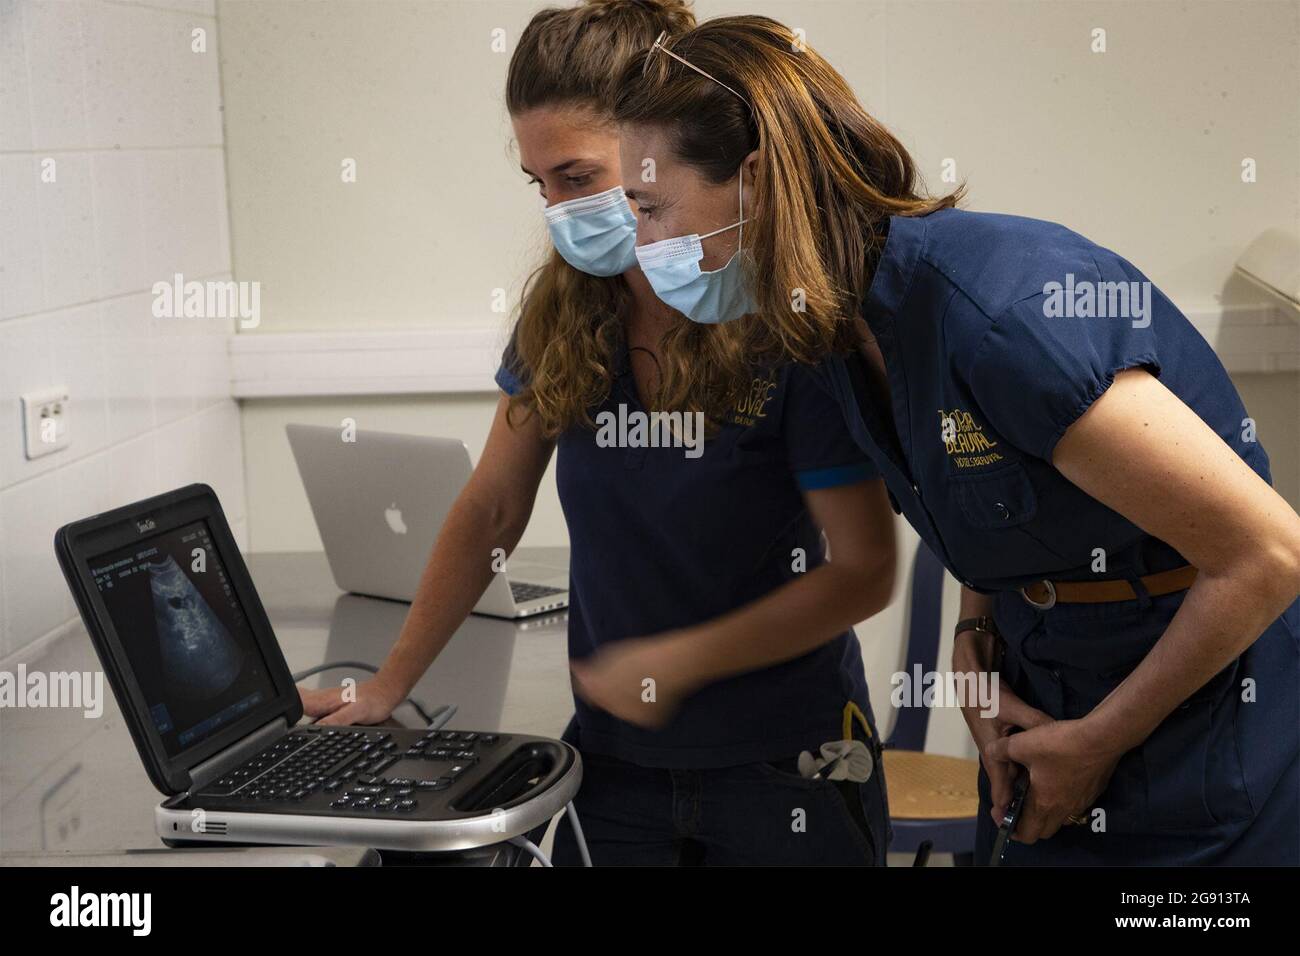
(188,639)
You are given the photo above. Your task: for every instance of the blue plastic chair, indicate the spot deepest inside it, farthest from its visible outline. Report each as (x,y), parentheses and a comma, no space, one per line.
(919,778)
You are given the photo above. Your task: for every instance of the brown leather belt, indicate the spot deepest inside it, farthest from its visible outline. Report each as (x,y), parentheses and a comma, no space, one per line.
(1046,594)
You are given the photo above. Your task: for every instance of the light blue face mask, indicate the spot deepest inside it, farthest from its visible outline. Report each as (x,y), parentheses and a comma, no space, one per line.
(595,234)
(672,267)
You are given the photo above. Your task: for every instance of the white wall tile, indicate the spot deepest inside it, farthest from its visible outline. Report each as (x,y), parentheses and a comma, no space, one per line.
(67,225)
(221,456)
(160,207)
(54,38)
(128,100)
(36,598)
(22,285)
(83,490)
(179,456)
(159,213)
(145,84)
(15,104)
(128,367)
(195,88)
(77,344)
(203,8)
(200,219)
(211,359)
(54,348)
(133,470)
(173,347)
(26,363)
(119,229)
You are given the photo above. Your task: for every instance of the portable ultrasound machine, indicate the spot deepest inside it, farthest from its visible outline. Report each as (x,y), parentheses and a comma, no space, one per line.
(212,708)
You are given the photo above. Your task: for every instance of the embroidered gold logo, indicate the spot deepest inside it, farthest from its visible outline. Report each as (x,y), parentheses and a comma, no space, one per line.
(965,441)
(753,404)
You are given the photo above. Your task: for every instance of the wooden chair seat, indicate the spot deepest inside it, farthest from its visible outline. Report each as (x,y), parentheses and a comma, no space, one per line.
(924,786)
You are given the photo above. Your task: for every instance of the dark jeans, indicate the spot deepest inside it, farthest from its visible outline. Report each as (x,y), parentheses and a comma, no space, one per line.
(754,814)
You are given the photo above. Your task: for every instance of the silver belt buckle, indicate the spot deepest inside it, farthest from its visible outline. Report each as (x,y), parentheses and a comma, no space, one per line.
(1051,597)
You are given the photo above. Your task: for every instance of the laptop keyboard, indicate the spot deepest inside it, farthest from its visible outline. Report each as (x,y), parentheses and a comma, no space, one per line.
(349,764)
(531,592)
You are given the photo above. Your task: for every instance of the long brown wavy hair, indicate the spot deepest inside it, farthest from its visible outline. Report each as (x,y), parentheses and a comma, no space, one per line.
(570,324)
(828,174)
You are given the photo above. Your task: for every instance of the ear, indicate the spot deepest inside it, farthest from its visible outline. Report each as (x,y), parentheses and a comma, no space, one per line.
(748,170)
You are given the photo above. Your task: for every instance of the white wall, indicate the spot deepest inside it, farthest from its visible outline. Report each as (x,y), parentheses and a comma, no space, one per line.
(1139,147)
(112,95)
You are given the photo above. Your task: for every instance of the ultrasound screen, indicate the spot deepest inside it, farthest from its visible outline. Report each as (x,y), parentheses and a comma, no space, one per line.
(185,633)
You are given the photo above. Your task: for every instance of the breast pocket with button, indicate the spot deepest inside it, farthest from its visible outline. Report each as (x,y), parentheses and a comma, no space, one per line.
(994,527)
(999,499)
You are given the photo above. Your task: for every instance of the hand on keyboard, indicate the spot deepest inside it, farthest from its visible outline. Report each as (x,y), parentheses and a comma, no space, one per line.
(374,702)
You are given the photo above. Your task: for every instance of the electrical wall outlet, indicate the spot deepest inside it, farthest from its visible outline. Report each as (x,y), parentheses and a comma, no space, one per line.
(46,421)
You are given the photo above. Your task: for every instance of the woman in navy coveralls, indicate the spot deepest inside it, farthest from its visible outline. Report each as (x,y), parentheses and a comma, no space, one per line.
(1052,426)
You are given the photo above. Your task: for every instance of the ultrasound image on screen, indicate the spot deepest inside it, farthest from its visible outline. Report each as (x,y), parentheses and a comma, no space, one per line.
(200,658)
(185,633)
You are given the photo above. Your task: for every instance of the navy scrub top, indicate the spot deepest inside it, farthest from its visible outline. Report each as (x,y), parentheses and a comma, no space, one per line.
(659,541)
(983,384)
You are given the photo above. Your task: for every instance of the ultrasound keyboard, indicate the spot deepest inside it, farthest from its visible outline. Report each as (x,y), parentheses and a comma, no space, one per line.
(353,770)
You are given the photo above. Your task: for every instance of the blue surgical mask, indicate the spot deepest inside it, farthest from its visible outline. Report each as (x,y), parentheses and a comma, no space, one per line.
(672,268)
(595,234)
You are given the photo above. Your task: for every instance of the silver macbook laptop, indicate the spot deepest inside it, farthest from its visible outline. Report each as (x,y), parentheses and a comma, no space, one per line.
(379,502)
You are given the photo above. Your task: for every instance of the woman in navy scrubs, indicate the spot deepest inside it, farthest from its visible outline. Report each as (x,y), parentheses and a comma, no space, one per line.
(1056,431)
(711,643)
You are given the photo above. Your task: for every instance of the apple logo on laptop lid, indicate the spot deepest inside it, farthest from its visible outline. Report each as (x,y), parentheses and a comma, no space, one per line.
(393,515)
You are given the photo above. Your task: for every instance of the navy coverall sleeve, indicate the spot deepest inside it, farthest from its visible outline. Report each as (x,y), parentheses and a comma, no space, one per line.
(1036,372)
(821,451)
